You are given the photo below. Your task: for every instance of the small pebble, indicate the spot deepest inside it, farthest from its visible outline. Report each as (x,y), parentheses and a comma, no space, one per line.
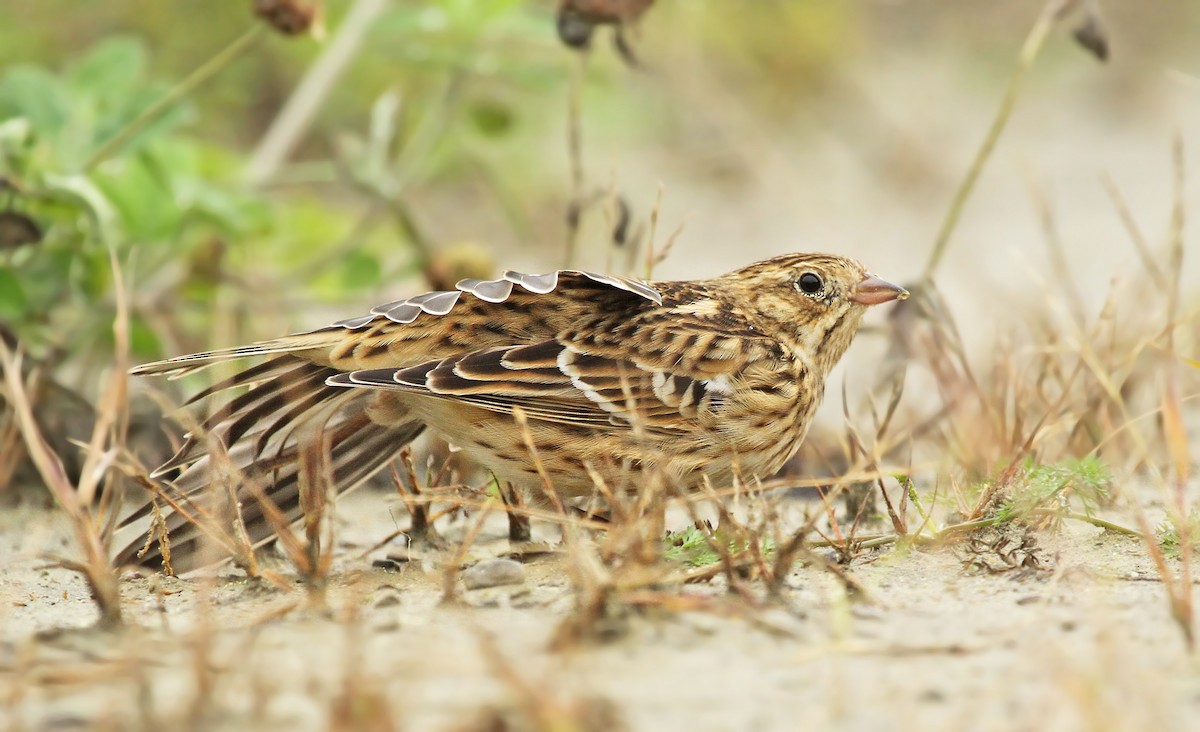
(493,573)
(932,695)
(389,563)
(390,598)
(506,596)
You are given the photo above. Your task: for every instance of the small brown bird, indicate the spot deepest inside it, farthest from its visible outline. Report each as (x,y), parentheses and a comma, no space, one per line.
(695,379)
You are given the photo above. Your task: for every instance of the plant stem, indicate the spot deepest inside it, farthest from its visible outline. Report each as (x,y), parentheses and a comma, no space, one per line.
(1106,525)
(165,103)
(1029,52)
(321,78)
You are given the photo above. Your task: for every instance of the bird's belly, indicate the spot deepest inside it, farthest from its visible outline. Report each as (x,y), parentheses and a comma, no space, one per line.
(495,442)
(572,459)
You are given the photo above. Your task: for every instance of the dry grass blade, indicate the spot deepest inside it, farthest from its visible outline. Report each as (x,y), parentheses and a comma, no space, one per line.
(293,546)
(109,429)
(174,96)
(575,156)
(194,513)
(158,530)
(360,704)
(450,575)
(97,570)
(1174,430)
(1063,279)
(421,526)
(1134,231)
(12,449)
(1029,53)
(112,418)
(733,563)
(317,491)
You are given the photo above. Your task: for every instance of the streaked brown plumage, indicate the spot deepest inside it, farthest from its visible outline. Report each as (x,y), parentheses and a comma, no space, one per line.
(696,378)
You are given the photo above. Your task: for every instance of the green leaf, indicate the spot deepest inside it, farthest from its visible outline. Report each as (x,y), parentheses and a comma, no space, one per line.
(37,95)
(15,134)
(12,295)
(123,111)
(80,190)
(111,69)
(693,546)
(44,272)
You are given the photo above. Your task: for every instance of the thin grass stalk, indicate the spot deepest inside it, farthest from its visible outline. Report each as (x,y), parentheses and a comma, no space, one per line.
(1174,430)
(575,156)
(96,568)
(289,126)
(317,492)
(1029,53)
(174,96)
(1134,231)
(450,575)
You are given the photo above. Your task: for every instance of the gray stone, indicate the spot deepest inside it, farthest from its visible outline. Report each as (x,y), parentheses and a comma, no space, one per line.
(493,573)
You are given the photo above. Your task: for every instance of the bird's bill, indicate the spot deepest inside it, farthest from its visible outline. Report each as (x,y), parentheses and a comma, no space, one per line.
(875,290)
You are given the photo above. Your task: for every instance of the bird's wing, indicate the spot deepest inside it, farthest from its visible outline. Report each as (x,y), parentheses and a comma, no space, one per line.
(516,308)
(288,389)
(575,384)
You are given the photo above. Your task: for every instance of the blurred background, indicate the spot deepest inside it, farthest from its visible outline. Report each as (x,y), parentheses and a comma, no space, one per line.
(390,147)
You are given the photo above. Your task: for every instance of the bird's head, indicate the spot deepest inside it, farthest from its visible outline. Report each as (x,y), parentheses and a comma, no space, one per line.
(817,300)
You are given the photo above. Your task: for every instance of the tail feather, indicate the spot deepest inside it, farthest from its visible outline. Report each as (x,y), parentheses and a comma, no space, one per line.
(288,419)
(226,425)
(262,372)
(288,378)
(360,449)
(295,386)
(314,342)
(264,433)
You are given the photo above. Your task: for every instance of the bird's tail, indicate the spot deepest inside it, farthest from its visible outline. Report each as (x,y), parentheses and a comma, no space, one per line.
(260,435)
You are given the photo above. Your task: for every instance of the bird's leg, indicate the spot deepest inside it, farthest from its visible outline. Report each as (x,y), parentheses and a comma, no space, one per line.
(519,529)
(421,532)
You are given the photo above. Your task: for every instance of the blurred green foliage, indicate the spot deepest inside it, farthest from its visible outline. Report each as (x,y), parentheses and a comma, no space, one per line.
(1168,534)
(462,97)
(1085,482)
(172,205)
(161,198)
(695,546)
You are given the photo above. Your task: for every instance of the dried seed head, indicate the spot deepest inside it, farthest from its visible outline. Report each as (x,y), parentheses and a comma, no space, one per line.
(290,17)
(17,229)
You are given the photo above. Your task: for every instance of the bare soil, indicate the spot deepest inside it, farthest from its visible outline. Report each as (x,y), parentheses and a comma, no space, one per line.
(938,642)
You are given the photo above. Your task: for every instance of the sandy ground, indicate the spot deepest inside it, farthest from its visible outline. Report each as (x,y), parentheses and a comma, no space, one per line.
(1084,643)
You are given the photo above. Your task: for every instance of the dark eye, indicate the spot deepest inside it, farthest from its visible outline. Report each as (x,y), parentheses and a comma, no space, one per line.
(809,283)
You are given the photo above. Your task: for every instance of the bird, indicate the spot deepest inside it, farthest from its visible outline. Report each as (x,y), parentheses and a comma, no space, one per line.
(563,378)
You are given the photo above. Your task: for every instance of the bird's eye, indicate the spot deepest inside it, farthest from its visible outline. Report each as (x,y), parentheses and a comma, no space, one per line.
(810,284)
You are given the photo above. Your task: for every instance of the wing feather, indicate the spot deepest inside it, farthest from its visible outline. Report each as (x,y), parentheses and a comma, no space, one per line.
(500,290)
(555,382)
